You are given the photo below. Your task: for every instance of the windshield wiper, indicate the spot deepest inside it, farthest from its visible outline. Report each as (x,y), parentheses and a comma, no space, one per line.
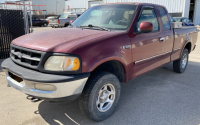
(91,26)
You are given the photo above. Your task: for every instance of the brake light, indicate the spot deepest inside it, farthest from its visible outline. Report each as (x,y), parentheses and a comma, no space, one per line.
(71,21)
(48,21)
(58,21)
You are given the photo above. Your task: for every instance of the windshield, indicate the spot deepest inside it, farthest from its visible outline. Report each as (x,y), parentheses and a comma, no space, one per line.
(64,15)
(112,17)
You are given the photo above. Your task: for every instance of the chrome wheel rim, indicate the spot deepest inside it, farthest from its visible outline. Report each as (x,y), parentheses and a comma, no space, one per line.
(105,98)
(184,61)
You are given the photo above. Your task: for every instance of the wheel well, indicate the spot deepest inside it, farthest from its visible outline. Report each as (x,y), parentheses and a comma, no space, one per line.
(113,67)
(188,47)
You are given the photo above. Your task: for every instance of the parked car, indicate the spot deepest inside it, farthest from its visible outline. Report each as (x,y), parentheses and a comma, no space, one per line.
(66,17)
(51,17)
(53,22)
(38,22)
(107,45)
(185,21)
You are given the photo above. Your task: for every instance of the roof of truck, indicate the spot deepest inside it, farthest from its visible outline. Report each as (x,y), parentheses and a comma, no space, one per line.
(136,3)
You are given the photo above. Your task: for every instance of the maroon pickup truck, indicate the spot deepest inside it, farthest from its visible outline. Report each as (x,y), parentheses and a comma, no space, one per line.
(107,45)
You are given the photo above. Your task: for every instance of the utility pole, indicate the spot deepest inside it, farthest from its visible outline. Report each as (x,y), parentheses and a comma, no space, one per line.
(56,7)
(24,17)
(31,24)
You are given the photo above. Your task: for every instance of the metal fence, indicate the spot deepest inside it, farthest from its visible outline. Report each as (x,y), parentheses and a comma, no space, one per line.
(11,27)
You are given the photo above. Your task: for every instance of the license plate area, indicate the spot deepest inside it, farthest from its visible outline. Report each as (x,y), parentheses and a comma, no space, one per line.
(16,78)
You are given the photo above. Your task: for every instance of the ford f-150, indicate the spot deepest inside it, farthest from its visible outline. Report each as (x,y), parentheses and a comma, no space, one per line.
(107,45)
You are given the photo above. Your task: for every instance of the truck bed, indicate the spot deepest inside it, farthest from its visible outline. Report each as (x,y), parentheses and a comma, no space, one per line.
(181,36)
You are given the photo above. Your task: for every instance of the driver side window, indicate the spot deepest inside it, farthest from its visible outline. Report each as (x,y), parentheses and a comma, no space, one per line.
(148,15)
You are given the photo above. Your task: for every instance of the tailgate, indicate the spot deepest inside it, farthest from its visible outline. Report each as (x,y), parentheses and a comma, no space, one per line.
(53,21)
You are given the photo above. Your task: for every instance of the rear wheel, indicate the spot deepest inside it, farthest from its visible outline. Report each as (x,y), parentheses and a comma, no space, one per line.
(45,24)
(66,25)
(181,64)
(100,96)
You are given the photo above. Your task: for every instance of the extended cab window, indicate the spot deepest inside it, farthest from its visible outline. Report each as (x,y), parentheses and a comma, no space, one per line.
(147,15)
(112,17)
(164,18)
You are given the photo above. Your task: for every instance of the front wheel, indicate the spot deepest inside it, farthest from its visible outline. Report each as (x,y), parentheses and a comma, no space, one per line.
(181,64)
(100,96)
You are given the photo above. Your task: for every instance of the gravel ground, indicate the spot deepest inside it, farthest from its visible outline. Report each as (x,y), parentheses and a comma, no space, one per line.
(160,97)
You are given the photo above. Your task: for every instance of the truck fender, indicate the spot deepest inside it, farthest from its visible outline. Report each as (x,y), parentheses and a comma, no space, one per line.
(107,59)
(185,46)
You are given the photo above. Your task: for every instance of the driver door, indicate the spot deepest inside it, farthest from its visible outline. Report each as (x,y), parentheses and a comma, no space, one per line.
(147,47)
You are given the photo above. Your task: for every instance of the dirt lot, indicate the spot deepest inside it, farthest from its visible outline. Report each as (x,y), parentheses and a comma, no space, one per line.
(160,97)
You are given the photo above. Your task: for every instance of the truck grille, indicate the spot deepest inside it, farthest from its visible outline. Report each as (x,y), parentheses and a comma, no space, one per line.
(26,57)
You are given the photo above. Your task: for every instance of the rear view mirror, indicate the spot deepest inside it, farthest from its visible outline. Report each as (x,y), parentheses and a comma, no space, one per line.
(146,27)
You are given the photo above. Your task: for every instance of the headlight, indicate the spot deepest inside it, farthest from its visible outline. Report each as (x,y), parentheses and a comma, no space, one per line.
(62,63)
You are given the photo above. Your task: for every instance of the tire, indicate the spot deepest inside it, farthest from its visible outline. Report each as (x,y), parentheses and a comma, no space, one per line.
(66,25)
(45,24)
(90,103)
(181,64)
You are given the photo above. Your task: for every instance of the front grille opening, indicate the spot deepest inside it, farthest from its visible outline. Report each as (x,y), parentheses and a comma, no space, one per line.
(16,78)
(36,55)
(26,57)
(26,60)
(17,58)
(35,63)
(17,50)
(25,53)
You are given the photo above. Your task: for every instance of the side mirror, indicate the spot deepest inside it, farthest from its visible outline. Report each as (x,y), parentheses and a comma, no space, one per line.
(146,27)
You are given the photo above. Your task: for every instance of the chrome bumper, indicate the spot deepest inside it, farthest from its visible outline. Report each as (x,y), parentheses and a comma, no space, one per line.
(64,89)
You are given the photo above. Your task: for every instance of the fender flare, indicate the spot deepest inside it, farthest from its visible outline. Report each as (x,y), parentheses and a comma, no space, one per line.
(111,58)
(185,46)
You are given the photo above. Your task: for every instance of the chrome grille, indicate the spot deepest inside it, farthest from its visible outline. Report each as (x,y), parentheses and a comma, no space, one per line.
(25,56)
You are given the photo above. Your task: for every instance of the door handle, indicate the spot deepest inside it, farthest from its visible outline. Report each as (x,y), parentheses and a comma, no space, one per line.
(162,39)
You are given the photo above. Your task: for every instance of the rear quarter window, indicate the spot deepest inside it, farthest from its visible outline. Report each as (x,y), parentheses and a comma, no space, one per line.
(164,18)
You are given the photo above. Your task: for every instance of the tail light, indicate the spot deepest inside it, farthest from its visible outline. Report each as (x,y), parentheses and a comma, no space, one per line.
(71,21)
(48,21)
(58,21)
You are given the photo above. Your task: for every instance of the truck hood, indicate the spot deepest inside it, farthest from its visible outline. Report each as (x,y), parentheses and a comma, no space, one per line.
(60,40)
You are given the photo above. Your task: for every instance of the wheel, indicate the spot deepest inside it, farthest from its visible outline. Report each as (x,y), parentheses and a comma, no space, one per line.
(100,96)
(181,64)
(45,24)
(66,25)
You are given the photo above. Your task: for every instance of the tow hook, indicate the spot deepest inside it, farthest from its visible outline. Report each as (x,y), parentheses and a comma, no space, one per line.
(8,85)
(33,99)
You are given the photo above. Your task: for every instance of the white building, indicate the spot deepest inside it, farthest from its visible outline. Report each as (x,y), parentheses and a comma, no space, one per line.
(177,8)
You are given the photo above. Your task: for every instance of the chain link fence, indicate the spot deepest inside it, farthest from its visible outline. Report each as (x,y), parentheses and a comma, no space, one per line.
(11,27)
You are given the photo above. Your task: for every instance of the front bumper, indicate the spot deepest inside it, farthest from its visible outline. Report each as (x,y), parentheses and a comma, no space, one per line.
(50,86)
